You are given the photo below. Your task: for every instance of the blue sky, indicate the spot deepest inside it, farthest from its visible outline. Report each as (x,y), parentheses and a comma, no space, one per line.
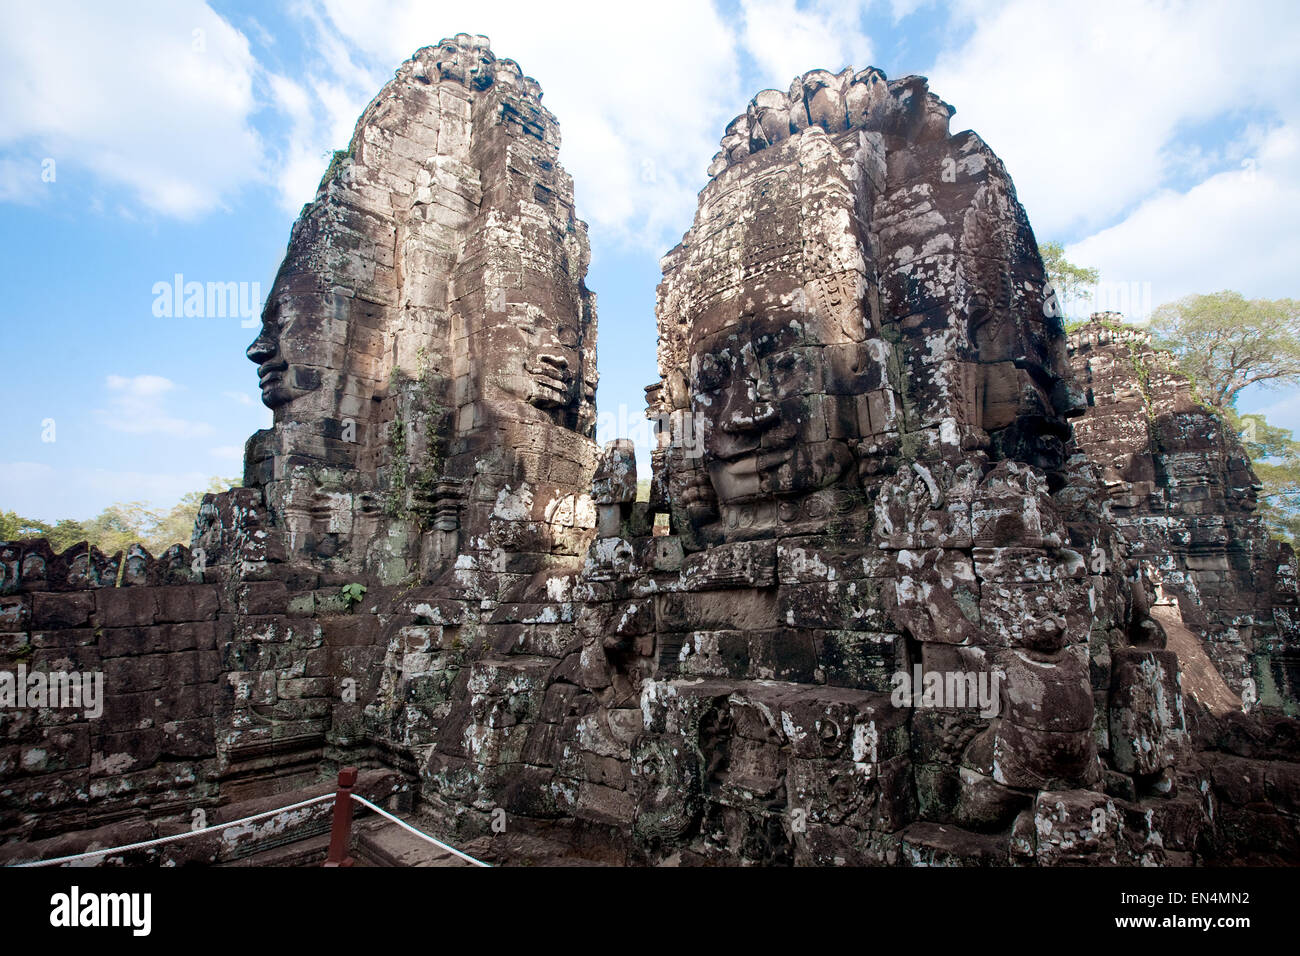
(1159,141)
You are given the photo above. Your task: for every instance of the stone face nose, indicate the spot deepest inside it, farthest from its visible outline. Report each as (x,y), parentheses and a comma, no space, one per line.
(261,350)
(558,361)
(1068,400)
(763,416)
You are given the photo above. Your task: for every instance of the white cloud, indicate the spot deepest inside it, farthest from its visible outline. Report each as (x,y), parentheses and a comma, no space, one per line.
(899,9)
(787,40)
(1085,103)
(240,398)
(136,405)
(154,97)
(301,163)
(20,179)
(1236,230)
(642,96)
(141,386)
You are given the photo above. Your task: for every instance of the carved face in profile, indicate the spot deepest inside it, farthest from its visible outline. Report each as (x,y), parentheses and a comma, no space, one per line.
(280,351)
(773,431)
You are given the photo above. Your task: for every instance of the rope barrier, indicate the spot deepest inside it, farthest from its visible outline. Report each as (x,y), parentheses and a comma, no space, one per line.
(178,836)
(59,860)
(424,836)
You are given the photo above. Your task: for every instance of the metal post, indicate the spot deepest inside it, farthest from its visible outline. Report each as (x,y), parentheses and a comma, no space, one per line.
(341,830)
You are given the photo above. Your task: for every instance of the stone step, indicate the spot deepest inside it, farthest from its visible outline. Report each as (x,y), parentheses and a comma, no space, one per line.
(309,852)
(382,843)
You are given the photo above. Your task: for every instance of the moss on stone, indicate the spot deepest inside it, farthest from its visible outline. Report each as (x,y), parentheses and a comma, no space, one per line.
(339,157)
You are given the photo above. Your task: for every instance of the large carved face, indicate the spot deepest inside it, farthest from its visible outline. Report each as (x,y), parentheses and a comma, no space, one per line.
(538,358)
(281,351)
(772,430)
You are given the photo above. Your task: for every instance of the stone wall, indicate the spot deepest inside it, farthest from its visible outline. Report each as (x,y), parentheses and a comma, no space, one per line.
(154,748)
(213,689)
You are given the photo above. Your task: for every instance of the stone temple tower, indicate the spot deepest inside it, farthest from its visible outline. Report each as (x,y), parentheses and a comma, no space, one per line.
(429,344)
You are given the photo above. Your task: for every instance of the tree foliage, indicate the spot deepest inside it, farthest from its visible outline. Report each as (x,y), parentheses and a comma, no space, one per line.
(1275,456)
(1070,281)
(1227,342)
(119,525)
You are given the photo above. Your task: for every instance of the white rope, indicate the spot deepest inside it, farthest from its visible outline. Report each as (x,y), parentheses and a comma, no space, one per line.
(178,836)
(258,816)
(424,836)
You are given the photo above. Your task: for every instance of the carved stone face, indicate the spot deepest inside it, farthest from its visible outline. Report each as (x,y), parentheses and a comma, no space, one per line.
(540,359)
(278,350)
(769,118)
(451,61)
(466,60)
(761,388)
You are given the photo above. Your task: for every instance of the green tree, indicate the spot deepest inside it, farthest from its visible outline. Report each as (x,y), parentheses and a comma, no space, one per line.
(13,525)
(1226,342)
(119,525)
(176,526)
(1070,281)
(1275,456)
(66,533)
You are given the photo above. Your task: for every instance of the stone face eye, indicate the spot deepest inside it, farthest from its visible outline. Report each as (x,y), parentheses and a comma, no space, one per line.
(713,372)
